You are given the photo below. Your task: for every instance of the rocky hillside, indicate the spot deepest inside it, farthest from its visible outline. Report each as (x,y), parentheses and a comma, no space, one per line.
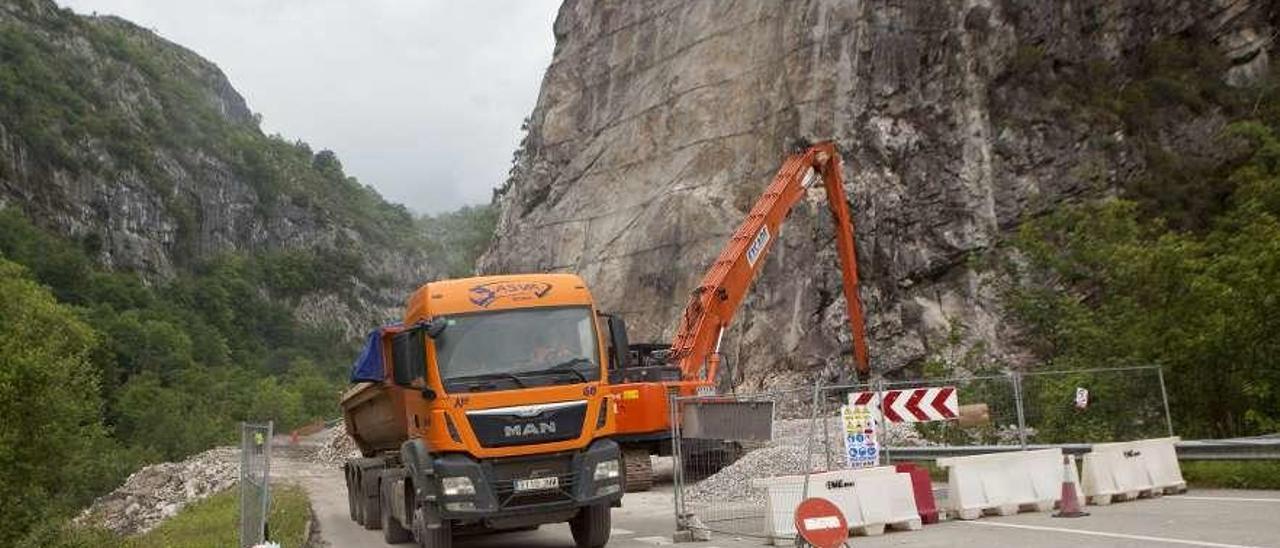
(658,123)
(142,151)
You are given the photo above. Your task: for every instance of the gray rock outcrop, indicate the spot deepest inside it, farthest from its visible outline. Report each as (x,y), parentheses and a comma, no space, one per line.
(659,123)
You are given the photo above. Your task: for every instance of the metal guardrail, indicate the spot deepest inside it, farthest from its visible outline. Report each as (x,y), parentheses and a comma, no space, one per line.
(1257,448)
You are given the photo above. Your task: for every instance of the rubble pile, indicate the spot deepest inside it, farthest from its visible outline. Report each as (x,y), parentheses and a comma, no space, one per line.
(788,454)
(337,448)
(159,491)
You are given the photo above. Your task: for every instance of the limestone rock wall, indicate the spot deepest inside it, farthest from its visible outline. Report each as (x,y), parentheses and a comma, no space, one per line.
(659,123)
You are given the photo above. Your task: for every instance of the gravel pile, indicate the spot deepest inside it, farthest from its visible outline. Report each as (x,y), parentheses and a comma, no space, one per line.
(337,448)
(158,491)
(786,455)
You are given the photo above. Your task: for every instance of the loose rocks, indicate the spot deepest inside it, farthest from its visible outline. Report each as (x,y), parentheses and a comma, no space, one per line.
(158,491)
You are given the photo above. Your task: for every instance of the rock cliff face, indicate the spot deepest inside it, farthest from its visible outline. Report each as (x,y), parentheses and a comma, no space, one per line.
(142,150)
(659,123)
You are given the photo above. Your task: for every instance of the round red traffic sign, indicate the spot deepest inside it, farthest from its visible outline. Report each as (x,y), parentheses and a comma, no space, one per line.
(821,523)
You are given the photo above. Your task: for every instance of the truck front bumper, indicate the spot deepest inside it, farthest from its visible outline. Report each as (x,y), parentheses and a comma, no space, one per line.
(519,490)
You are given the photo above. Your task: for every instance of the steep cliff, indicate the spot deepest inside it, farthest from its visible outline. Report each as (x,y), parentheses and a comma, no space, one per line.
(658,123)
(142,151)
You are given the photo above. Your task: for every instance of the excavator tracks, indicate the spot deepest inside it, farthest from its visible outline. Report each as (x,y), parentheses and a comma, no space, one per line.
(639,469)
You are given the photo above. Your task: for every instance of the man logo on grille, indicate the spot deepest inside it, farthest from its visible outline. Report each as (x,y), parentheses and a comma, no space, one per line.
(530,429)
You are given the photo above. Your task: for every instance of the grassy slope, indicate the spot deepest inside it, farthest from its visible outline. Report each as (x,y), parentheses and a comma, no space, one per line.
(213,522)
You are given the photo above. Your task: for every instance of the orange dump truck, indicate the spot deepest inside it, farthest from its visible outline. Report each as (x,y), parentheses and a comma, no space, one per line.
(486,409)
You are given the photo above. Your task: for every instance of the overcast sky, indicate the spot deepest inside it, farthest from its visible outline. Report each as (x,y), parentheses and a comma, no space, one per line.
(421,99)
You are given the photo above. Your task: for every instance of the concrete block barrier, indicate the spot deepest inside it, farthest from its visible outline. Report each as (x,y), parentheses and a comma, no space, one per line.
(872,499)
(1128,470)
(1003,483)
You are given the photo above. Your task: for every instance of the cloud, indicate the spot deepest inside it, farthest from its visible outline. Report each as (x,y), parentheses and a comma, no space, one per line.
(422,100)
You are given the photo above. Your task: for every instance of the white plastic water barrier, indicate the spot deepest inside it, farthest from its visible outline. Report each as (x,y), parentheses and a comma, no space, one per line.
(1129,469)
(1003,482)
(870,499)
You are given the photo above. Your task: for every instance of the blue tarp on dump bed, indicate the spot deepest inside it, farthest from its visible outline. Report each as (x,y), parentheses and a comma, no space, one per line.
(368,366)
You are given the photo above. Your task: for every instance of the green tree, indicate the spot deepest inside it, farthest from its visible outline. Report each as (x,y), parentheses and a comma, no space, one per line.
(1104,286)
(54,451)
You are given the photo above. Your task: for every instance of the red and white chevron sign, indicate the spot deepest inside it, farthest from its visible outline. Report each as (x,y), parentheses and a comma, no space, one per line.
(912,405)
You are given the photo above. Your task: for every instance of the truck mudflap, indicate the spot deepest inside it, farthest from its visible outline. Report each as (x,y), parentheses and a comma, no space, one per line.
(520,490)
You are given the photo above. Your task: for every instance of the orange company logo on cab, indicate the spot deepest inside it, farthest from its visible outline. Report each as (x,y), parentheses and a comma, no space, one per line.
(485,294)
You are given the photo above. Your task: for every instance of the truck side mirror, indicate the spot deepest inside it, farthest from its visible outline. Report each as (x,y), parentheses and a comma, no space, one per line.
(408,356)
(620,355)
(436,327)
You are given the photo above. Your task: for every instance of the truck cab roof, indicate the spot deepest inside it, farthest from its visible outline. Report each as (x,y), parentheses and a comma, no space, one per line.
(484,293)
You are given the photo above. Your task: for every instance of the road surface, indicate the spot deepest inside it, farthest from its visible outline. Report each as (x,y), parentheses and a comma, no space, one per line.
(1210,518)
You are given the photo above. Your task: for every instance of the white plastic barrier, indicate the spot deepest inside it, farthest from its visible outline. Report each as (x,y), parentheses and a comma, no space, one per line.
(1126,470)
(870,499)
(1003,482)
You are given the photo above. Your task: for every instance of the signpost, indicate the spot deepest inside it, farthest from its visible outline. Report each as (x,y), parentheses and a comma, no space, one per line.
(821,524)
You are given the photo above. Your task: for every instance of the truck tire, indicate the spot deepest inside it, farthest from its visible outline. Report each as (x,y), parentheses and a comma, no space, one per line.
(591,526)
(392,531)
(370,501)
(637,469)
(351,496)
(432,538)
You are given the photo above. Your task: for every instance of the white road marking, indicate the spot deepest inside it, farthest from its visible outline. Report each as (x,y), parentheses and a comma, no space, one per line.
(1111,535)
(1233,499)
(656,541)
(620,532)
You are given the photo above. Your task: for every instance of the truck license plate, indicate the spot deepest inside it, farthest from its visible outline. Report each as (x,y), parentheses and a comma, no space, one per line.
(537,484)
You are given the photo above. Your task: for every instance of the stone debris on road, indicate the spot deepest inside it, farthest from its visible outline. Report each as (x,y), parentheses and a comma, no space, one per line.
(337,446)
(159,491)
(787,455)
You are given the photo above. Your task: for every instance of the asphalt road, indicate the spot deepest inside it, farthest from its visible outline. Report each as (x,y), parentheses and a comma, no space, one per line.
(1218,518)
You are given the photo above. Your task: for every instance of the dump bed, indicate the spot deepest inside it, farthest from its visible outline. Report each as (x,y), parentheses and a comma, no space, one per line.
(373,418)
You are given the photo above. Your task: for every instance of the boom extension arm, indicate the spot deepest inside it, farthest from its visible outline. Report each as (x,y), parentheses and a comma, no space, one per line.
(713,303)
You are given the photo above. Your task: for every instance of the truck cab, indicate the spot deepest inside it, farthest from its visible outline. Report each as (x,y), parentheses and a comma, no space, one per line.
(492,412)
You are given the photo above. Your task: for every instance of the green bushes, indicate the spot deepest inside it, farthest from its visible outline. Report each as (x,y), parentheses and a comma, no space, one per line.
(55,452)
(108,373)
(1104,285)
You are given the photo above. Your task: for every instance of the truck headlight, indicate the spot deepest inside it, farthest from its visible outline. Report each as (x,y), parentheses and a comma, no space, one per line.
(606,470)
(457,485)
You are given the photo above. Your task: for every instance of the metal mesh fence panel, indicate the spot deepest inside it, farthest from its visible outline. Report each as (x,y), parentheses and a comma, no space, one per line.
(255,472)
(1095,405)
(989,416)
(727,449)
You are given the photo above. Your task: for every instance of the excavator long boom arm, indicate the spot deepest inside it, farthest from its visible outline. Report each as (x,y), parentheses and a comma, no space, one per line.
(713,303)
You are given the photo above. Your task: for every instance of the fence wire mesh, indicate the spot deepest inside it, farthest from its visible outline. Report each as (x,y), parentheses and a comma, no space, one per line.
(721,481)
(720,484)
(255,476)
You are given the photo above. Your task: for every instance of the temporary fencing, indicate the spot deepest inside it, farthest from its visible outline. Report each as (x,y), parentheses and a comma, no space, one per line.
(255,476)
(741,463)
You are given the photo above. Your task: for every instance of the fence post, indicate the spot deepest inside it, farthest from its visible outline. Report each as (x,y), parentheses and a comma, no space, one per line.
(1164,397)
(255,481)
(882,425)
(808,449)
(677,458)
(1017,402)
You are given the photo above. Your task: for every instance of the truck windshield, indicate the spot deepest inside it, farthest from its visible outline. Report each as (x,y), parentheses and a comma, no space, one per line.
(508,349)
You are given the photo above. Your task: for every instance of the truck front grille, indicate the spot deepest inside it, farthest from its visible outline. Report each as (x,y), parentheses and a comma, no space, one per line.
(527,425)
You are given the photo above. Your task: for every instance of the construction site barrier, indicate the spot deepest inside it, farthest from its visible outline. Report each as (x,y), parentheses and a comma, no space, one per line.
(870,498)
(1003,483)
(1128,470)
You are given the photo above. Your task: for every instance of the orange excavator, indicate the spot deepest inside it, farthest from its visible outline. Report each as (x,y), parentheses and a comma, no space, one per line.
(643,379)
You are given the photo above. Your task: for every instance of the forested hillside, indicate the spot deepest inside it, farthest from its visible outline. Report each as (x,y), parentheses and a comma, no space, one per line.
(168,269)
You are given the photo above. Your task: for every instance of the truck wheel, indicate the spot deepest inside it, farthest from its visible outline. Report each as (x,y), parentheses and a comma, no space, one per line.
(369,500)
(591,526)
(392,531)
(638,469)
(432,538)
(351,497)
